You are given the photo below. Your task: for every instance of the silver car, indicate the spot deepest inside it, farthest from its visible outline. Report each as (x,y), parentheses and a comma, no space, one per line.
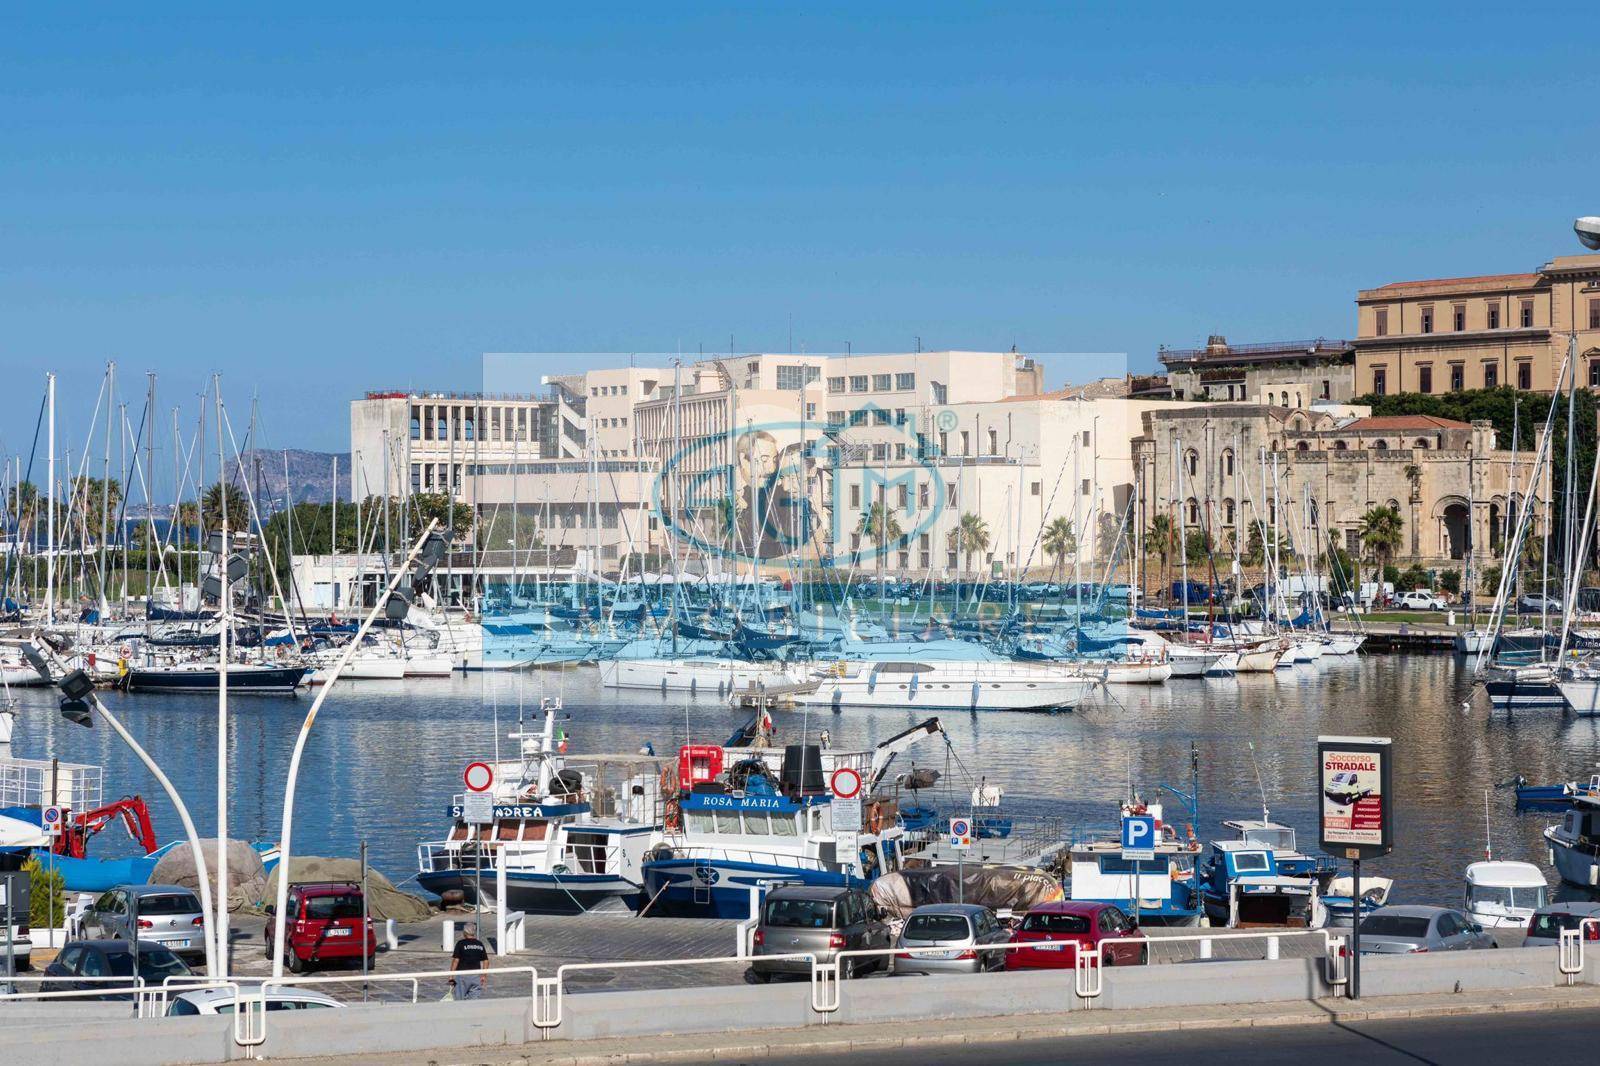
(957,928)
(168,915)
(1411,930)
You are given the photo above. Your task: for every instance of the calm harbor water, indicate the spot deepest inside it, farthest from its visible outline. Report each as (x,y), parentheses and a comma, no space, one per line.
(386,756)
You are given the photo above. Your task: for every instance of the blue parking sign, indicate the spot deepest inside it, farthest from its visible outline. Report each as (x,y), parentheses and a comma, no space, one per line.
(1138,838)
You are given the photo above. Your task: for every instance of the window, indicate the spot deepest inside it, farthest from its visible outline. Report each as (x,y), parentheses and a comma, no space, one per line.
(855,497)
(881,382)
(905,382)
(1458,317)
(1302,446)
(1494,316)
(1085,438)
(1424,379)
(1191,462)
(966,443)
(1526,314)
(1491,375)
(880,416)
(940,393)
(1594,314)
(905,497)
(950,494)
(797,377)
(1422,443)
(900,417)
(811,413)
(1381,322)
(1083,490)
(836,385)
(1035,487)
(899,450)
(1228,512)
(1594,373)
(836,419)
(880,452)
(1458,377)
(1525,376)
(858,383)
(922,497)
(1227,462)
(1191,511)
(416,425)
(1427,319)
(1380,446)
(858,418)
(1380,380)
(994,442)
(1327,389)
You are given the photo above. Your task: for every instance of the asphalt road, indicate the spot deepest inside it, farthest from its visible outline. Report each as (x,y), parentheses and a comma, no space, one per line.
(1559,1036)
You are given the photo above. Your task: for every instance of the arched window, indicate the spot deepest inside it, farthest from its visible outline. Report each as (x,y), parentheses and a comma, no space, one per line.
(1422,442)
(1191,510)
(1302,446)
(1191,462)
(1380,446)
(1228,514)
(1227,462)
(1340,446)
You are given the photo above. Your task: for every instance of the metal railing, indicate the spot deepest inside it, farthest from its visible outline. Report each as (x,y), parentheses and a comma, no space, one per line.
(550,993)
(1569,948)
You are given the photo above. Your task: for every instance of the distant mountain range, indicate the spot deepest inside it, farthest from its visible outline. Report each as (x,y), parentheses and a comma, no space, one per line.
(310,475)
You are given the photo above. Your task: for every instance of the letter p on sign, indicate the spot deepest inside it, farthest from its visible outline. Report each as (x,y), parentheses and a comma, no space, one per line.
(1139,837)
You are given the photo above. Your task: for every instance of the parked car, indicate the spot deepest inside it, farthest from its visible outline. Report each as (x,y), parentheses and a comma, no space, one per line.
(957,928)
(324,924)
(1059,930)
(1533,603)
(225,1000)
(1547,923)
(821,919)
(1419,600)
(168,915)
(1411,930)
(110,958)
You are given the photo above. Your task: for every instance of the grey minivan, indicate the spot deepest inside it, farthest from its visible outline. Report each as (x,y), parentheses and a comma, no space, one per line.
(822,920)
(168,915)
(959,929)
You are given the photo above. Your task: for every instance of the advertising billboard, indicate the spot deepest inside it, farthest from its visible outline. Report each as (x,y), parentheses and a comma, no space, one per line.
(1357,799)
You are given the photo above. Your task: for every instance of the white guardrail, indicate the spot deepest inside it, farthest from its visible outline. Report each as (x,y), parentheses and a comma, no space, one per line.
(547,995)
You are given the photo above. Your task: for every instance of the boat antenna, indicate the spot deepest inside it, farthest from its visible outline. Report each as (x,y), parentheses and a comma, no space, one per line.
(1488,839)
(1266,815)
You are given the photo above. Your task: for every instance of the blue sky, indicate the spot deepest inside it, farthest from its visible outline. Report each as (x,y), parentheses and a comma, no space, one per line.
(319,206)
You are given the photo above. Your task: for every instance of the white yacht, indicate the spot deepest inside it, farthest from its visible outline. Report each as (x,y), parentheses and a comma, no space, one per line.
(928,685)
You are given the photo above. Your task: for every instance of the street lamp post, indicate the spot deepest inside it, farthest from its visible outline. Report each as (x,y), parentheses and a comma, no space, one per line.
(427,553)
(78,707)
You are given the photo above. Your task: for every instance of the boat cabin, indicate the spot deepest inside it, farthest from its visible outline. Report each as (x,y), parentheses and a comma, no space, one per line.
(1243,885)
(1504,894)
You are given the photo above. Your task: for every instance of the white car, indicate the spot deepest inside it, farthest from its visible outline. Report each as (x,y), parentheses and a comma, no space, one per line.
(223,1001)
(1419,600)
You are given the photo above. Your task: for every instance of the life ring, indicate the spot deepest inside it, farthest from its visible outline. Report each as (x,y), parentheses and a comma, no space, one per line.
(126,651)
(875,819)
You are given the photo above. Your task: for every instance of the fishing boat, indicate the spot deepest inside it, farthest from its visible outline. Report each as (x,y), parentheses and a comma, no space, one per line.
(1242,885)
(1340,905)
(1553,797)
(1504,895)
(749,818)
(1160,890)
(568,840)
(1574,843)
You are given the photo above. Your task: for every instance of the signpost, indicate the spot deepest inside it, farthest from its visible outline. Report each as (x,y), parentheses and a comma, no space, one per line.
(1138,846)
(845,784)
(477,808)
(961,843)
(1355,778)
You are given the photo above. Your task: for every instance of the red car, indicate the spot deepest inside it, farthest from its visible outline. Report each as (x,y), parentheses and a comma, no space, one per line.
(1060,928)
(324,925)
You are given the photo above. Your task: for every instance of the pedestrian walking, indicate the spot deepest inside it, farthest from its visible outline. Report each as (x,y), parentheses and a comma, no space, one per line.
(470,963)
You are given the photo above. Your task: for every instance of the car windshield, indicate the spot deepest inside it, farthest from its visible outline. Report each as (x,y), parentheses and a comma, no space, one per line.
(1550,924)
(276,1004)
(155,963)
(936,927)
(176,903)
(1400,925)
(1528,896)
(800,913)
(1055,923)
(329,907)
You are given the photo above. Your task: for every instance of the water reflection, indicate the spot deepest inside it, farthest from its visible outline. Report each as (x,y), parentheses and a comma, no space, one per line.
(386,756)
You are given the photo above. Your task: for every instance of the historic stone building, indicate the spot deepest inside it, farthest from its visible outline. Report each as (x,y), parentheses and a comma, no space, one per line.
(1224,466)
(1283,373)
(1449,334)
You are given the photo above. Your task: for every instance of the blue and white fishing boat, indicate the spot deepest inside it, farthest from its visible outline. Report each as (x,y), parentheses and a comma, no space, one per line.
(569,839)
(1241,884)
(749,819)
(1160,890)
(1574,842)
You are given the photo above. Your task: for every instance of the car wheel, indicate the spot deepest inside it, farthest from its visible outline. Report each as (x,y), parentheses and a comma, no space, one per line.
(294,962)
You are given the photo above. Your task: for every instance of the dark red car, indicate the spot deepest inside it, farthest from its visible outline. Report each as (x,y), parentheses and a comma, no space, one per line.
(324,925)
(1059,929)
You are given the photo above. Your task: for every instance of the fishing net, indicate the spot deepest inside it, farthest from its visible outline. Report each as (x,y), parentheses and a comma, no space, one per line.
(247,881)
(384,901)
(995,887)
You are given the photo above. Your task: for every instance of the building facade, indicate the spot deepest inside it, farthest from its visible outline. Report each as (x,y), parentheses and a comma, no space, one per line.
(1281,373)
(1449,334)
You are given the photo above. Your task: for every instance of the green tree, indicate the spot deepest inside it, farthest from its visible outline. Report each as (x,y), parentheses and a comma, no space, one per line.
(1161,539)
(1059,540)
(90,495)
(1490,582)
(879,525)
(436,505)
(1196,546)
(47,900)
(1380,531)
(1450,581)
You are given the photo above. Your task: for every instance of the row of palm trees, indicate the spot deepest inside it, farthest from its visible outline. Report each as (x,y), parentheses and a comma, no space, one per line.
(970,537)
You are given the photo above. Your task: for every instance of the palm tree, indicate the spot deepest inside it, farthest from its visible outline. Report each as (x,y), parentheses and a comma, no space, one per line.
(1161,539)
(188,521)
(1059,540)
(970,536)
(1413,474)
(238,508)
(1380,534)
(879,525)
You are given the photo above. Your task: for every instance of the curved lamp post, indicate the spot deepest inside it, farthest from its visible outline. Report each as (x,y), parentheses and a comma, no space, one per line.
(78,708)
(395,602)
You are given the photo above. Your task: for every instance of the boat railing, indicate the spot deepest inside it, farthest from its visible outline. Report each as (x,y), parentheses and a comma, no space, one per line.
(716,853)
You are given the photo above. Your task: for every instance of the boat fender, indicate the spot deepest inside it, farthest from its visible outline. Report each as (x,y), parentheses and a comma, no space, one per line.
(125,652)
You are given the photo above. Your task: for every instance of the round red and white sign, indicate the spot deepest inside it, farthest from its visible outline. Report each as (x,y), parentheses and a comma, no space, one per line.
(846,783)
(479,777)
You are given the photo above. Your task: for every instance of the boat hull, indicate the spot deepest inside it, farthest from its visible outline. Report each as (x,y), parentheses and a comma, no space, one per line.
(720,888)
(537,893)
(271,680)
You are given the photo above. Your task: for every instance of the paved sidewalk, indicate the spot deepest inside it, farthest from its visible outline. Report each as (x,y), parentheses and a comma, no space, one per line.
(838,1039)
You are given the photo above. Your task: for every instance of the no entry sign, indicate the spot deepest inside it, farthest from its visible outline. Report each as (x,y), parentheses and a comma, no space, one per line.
(846,783)
(479,777)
